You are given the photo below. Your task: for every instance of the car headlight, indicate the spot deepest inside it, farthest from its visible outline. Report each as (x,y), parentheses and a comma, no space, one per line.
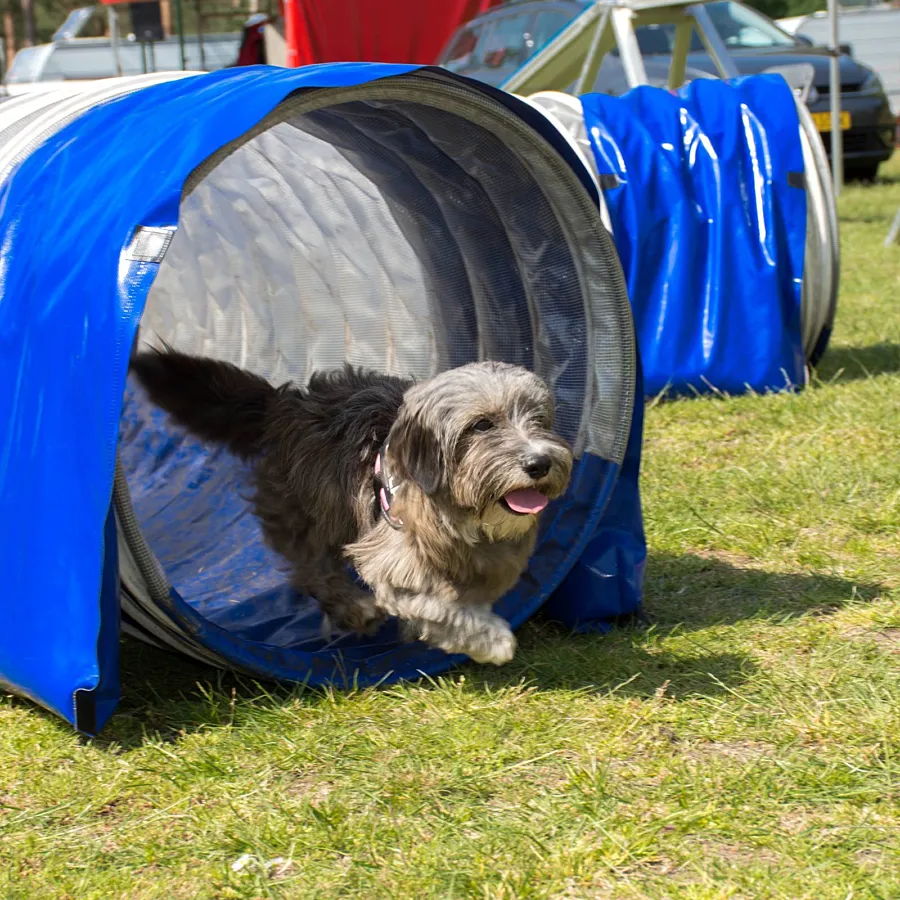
(871,85)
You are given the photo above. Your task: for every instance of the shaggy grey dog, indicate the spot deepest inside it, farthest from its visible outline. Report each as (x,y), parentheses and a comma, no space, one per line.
(432,490)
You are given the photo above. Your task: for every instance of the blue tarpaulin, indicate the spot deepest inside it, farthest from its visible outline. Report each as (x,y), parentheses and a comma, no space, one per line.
(709,218)
(70,304)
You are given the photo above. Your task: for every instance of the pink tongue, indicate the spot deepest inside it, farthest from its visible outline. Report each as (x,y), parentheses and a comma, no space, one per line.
(527,501)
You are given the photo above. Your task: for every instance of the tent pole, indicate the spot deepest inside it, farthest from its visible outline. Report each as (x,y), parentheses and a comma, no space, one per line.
(113,22)
(594,57)
(629,50)
(179,20)
(834,89)
(712,41)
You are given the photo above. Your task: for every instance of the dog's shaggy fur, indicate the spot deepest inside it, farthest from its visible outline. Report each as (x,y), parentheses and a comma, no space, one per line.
(459,444)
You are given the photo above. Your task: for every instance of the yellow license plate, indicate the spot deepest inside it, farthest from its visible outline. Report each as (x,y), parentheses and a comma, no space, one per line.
(823,120)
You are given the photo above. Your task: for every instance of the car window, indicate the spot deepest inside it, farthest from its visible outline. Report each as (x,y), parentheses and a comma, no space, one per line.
(460,55)
(504,46)
(545,26)
(740,28)
(84,21)
(655,39)
(74,63)
(26,65)
(745,29)
(658,40)
(96,25)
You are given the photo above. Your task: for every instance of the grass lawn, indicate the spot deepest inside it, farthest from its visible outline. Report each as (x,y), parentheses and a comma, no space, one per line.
(746,745)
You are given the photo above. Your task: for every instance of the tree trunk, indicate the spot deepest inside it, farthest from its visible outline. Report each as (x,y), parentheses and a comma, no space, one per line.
(9,32)
(29,23)
(165,14)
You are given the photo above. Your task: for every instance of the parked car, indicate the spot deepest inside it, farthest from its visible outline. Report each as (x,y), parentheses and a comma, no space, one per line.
(873,33)
(492,46)
(88,59)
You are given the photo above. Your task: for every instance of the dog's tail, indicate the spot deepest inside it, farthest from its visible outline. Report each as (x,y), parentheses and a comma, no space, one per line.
(216,401)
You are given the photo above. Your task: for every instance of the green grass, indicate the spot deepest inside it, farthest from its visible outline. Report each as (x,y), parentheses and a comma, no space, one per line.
(746,745)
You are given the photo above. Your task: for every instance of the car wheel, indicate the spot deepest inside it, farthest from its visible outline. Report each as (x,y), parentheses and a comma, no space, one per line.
(861,171)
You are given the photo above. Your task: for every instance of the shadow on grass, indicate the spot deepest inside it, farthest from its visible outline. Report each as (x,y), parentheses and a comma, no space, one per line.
(863,177)
(854,363)
(165,696)
(693,591)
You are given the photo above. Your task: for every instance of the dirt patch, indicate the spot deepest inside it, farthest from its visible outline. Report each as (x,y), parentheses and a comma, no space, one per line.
(614,884)
(736,854)
(873,858)
(307,787)
(797,821)
(736,560)
(8,802)
(740,751)
(886,638)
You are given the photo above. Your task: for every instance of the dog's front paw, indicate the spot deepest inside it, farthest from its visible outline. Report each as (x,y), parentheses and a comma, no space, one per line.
(495,645)
(363,619)
(358,614)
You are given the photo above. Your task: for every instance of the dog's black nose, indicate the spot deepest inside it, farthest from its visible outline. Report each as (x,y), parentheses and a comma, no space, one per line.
(537,466)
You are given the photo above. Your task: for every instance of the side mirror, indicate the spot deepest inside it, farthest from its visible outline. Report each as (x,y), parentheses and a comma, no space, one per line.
(806,41)
(846,49)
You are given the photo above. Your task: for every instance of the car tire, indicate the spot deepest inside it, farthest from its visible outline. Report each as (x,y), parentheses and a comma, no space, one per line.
(861,171)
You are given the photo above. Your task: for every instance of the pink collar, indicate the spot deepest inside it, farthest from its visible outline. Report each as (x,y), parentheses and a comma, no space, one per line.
(386,487)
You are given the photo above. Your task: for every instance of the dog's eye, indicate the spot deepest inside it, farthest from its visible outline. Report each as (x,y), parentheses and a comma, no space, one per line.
(482,425)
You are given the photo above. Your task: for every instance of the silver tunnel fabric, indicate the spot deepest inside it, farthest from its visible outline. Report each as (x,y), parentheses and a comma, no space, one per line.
(412,238)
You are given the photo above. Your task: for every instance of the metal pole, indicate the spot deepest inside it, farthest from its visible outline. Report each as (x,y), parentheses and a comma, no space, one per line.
(893,231)
(712,41)
(834,89)
(591,65)
(200,35)
(113,21)
(560,63)
(179,24)
(684,31)
(629,50)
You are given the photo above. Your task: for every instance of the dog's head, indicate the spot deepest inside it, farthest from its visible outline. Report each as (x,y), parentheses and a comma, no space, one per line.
(479,442)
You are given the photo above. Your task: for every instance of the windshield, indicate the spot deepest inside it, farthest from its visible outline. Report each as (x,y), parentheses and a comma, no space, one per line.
(740,27)
(86,21)
(26,66)
(745,29)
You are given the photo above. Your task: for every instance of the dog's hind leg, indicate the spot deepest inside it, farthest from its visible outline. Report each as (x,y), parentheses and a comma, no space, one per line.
(345,605)
(451,625)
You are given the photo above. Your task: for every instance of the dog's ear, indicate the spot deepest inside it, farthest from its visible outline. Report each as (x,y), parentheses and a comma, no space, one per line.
(417,452)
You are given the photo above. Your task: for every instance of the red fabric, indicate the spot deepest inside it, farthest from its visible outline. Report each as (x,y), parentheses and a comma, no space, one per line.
(390,31)
(253,46)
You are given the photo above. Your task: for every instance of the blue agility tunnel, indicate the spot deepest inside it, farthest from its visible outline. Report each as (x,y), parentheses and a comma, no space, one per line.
(721,209)
(287,221)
